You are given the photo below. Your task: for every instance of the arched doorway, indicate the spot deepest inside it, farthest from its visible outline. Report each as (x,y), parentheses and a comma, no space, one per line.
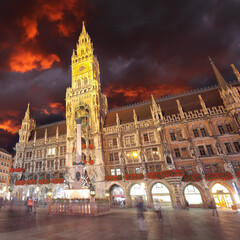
(44,192)
(221,196)
(31,192)
(137,191)
(19,194)
(117,196)
(58,193)
(161,193)
(193,195)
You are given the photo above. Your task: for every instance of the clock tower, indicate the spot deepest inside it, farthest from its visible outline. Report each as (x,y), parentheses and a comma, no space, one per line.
(84,100)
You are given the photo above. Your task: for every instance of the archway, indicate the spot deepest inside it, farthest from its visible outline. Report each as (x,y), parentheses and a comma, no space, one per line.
(58,193)
(19,194)
(117,196)
(193,195)
(161,193)
(221,196)
(31,192)
(43,195)
(137,191)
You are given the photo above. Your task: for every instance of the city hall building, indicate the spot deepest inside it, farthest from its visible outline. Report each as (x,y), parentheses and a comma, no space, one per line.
(176,148)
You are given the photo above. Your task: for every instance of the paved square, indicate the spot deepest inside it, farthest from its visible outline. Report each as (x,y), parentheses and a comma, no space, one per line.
(121,224)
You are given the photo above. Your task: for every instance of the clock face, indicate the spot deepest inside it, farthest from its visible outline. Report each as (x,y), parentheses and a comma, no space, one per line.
(82,68)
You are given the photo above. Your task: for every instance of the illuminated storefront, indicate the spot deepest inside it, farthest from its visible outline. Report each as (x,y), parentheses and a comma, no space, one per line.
(221,196)
(137,191)
(117,196)
(193,195)
(161,192)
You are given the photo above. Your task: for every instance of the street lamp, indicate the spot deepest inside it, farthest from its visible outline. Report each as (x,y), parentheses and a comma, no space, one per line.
(92,192)
(107,194)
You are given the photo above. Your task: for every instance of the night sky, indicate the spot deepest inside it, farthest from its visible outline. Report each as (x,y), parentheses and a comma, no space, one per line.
(146,47)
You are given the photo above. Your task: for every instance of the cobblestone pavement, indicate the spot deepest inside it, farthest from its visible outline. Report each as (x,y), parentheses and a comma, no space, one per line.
(121,224)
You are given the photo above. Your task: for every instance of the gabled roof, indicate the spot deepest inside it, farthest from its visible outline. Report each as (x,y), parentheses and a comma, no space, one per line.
(189,101)
(4,151)
(51,130)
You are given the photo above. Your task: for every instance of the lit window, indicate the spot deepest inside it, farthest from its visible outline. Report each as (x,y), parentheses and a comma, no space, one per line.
(112,171)
(118,171)
(137,170)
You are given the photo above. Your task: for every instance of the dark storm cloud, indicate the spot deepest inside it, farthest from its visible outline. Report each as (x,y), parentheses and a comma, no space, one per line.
(144,47)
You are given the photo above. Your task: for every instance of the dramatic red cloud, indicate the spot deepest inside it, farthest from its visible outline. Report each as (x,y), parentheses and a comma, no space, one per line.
(53,108)
(141,93)
(24,61)
(9,126)
(30,26)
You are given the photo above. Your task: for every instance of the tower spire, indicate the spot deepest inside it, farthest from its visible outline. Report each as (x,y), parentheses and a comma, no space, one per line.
(27,113)
(236,72)
(222,83)
(83,27)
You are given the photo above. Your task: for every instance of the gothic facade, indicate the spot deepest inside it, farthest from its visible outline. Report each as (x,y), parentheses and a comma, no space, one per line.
(195,134)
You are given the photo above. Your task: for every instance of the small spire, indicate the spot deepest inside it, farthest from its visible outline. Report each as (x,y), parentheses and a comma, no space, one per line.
(35,137)
(83,27)
(27,113)
(180,109)
(57,132)
(117,119)
(236,72)
(45,135)
(203,104)
(223,85)
(135,116)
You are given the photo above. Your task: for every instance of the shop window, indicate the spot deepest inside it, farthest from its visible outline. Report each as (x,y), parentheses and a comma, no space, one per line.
(209,150)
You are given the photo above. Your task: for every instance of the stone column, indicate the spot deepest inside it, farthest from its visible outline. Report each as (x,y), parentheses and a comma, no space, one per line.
(79,141)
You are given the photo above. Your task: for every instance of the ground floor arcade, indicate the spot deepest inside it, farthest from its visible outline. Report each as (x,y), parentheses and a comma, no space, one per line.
(169,192)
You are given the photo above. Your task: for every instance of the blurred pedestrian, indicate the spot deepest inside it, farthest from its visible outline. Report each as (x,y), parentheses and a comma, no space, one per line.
(187,204)
(140,214)
(213,207)
(30,204)
(179,207)
(157,208)
(1,203)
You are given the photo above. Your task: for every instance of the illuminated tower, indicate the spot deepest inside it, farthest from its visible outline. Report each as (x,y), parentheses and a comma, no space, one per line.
(84,100)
